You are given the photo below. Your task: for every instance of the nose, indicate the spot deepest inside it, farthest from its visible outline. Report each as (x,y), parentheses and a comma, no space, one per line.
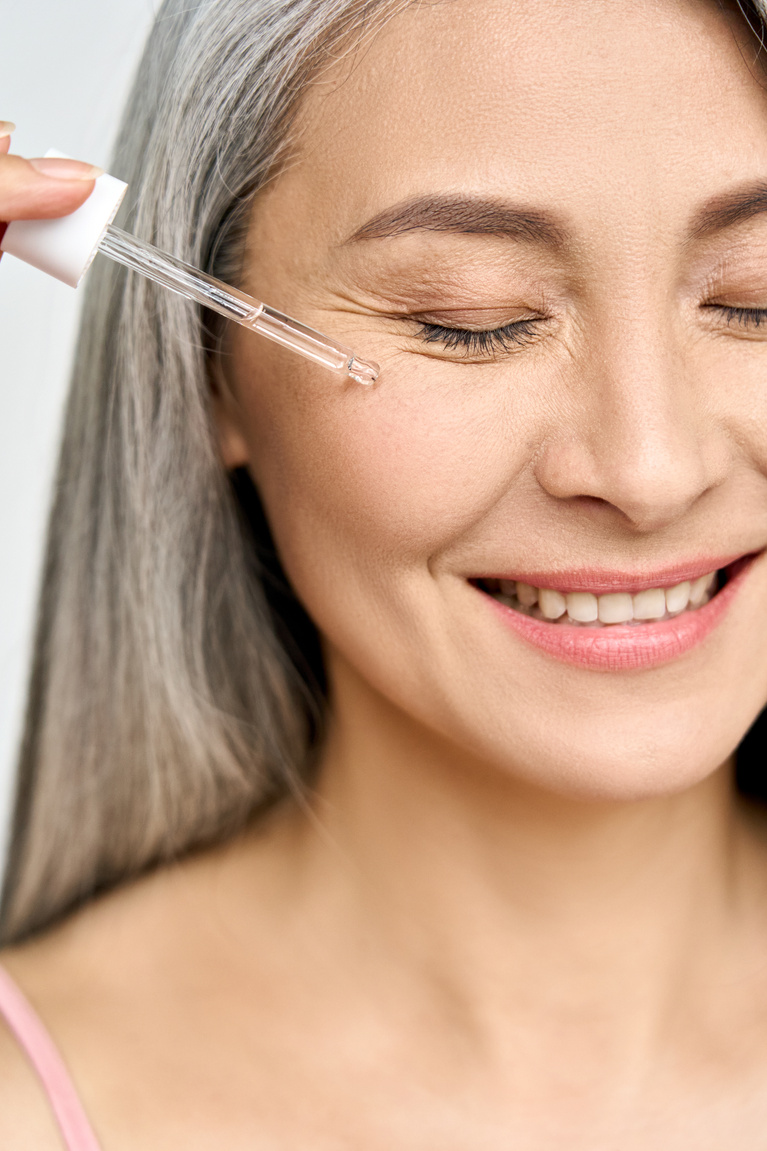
(638,433)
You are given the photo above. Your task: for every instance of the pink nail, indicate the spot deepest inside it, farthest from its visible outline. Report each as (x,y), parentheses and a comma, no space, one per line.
(66,169)
(6,127)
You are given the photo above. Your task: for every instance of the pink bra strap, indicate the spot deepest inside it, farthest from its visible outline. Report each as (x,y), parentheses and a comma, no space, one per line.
(44,1057)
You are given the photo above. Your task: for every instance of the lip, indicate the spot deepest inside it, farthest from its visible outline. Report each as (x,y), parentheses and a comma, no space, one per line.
(624,648)
(601,582)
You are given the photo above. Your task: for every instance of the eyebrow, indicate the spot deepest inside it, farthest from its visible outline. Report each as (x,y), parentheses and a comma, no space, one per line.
(476,215)
(730,208)
(463,215)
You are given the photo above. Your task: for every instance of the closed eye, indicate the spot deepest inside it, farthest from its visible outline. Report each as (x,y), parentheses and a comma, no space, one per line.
(743,317)
(485,342)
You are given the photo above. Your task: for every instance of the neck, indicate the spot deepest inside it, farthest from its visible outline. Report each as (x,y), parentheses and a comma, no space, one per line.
(508,894)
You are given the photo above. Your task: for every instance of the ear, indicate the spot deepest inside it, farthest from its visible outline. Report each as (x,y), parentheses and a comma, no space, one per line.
(227,421)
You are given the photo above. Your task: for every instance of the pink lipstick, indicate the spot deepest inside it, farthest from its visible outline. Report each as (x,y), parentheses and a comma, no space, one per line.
(631,646)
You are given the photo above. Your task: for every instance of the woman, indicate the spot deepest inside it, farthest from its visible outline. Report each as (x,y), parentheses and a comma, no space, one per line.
(377,788)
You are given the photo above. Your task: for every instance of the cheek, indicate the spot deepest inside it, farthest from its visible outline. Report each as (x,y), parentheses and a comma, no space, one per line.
(361,483)
(737,395)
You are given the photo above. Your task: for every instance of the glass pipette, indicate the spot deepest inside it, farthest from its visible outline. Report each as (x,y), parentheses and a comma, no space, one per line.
(234,305)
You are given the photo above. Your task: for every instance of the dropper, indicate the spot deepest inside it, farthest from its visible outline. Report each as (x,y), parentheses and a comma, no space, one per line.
(235,305)
(66,246)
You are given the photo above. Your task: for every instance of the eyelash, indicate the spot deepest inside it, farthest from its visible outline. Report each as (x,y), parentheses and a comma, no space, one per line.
(485,342)
(494,340)
(746,317)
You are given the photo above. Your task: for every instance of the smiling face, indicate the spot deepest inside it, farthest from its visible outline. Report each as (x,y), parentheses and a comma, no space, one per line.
(589,179)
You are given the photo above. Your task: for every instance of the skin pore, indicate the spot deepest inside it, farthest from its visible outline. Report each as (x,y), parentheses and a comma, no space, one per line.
(523,908)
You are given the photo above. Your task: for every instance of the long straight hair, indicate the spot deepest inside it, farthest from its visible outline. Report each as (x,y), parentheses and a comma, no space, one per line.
(176,685)
(165,707)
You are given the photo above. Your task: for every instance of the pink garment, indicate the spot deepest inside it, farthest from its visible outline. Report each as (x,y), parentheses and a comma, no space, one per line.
(44,1057)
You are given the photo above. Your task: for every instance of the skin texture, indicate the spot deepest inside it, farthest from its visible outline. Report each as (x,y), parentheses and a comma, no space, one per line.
(523,908)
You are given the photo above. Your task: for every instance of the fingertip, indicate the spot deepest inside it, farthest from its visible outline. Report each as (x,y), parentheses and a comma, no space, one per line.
(6,128)
(58,168)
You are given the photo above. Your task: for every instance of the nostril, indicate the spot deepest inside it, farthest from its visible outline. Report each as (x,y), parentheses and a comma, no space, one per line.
(588,502)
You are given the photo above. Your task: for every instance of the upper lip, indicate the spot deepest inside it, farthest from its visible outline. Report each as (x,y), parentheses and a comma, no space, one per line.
(601,581)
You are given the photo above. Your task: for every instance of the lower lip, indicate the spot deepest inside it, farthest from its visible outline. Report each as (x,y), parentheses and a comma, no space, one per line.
(620,648)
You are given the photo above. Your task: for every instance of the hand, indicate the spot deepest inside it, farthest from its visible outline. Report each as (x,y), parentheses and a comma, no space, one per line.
(40,189)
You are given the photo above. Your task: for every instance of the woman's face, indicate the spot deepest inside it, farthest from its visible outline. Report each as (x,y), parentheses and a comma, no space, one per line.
(590,178)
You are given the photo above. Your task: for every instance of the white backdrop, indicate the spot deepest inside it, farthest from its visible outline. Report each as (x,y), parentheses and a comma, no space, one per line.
(65,66)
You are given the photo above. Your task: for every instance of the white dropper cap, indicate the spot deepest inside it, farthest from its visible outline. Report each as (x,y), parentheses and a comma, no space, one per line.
(64,248)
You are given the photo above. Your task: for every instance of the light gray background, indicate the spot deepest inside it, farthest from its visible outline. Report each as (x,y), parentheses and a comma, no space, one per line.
(65,67)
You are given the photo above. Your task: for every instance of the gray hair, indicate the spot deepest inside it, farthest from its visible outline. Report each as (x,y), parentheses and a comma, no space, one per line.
(164,706)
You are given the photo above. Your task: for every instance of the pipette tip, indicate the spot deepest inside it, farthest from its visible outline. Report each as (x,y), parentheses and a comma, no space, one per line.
(363,371)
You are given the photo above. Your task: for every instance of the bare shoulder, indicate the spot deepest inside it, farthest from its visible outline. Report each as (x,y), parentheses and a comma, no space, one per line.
(41,969)
(126,987)
(26,1121)
(72,975)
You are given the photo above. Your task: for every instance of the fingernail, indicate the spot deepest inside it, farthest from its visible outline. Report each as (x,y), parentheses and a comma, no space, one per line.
(66,169)
(6,127)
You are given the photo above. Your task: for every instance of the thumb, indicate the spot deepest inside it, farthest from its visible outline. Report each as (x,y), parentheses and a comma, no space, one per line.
(43,188)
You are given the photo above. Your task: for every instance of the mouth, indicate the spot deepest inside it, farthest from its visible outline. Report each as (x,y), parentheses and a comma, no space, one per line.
(617,622)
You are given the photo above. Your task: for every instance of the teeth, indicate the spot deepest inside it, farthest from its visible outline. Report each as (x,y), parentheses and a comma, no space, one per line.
(616,608)
(527,595)
(650,604)
(553,603)
(582,607)
(700,588)
(677,598)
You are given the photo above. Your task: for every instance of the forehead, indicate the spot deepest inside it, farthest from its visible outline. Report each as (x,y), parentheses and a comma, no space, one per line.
(552,101)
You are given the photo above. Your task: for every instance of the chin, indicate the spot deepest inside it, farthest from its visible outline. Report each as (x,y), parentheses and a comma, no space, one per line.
(624,762)
(602,752)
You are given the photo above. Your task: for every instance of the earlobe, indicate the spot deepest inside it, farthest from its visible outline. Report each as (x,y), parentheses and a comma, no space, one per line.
(232,445)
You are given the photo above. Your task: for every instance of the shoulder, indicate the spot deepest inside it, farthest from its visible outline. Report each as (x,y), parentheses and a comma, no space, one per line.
(67,975)
(117,987)
(26,1121)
